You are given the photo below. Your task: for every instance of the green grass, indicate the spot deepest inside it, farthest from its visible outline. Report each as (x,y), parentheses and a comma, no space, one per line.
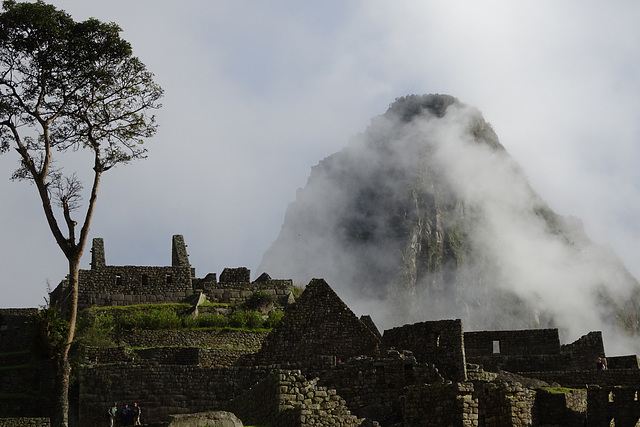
(100,326)
(14,353)
(215,304)
(20,395)
(16,367)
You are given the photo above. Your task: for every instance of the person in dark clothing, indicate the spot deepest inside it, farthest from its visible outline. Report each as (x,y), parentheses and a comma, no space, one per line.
(600,364)
(136,411)
(125,415)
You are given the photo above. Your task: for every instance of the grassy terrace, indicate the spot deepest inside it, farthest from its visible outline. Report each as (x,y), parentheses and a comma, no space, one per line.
(99,326)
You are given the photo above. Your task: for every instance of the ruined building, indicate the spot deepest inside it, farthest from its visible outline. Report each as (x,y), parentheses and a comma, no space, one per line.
(321,364)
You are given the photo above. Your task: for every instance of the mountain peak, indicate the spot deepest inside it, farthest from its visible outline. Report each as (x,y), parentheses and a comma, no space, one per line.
(425,216)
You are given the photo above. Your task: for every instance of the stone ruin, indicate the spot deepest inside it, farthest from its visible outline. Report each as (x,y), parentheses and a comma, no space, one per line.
(321,365)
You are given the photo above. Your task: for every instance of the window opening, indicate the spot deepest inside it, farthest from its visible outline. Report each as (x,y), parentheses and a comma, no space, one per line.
(169,278)
(145,280)
(118,279)
(408,373)
(496,347)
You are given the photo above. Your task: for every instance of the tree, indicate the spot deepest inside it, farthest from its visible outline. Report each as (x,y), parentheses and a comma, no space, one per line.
(67,86)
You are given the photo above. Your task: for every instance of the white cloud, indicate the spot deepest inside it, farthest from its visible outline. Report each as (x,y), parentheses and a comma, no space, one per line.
(258,93)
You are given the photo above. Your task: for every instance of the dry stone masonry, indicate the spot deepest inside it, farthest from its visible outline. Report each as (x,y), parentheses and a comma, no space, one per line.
(321,365)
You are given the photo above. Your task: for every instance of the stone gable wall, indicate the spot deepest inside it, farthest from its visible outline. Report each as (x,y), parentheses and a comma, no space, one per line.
(319,324)
(438,342)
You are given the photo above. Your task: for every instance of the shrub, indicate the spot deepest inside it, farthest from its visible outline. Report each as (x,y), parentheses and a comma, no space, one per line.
(238,319)
(154,319)
(160,319)
(50,331)
(273,319)
(212,320)
(297,291)
(253,319)
(259,299)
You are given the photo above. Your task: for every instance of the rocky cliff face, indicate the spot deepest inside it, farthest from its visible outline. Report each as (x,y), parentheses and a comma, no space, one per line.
(425,216)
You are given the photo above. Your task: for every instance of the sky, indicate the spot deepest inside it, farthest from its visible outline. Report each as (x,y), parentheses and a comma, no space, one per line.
(256,93)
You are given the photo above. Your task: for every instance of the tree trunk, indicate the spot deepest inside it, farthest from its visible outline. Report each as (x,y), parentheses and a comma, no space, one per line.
(60,416)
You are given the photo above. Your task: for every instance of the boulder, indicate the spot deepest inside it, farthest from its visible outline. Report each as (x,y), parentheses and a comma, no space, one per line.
(208,419)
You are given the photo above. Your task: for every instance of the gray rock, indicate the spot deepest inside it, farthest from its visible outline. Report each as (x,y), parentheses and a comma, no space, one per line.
(208,419)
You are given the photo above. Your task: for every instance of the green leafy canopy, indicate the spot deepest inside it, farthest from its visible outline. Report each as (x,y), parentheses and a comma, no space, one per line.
(73,85)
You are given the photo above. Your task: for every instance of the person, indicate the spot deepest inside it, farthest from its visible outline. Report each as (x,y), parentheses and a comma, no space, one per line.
(600,364)
(125,415)
(136,411)
(113,414)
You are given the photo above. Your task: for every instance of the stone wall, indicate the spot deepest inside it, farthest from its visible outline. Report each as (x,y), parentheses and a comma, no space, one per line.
(235,275)
(502,405)
(607,406)
(160,390)
(563,409)
(288,399)
(521,364)
(623,362)
(25,381)
(107,285)
(13,329)
(438,342)
(374,388)
(441,404)
(226,338)
(583,353)
(318,324)
(206,348)
(581,379)
(511,343)
(491,405)
(27,390)
(127,285)
(239,292)
(25,422)
(531,350)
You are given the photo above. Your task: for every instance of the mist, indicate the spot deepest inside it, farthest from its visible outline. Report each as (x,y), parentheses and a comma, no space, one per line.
(407,189)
